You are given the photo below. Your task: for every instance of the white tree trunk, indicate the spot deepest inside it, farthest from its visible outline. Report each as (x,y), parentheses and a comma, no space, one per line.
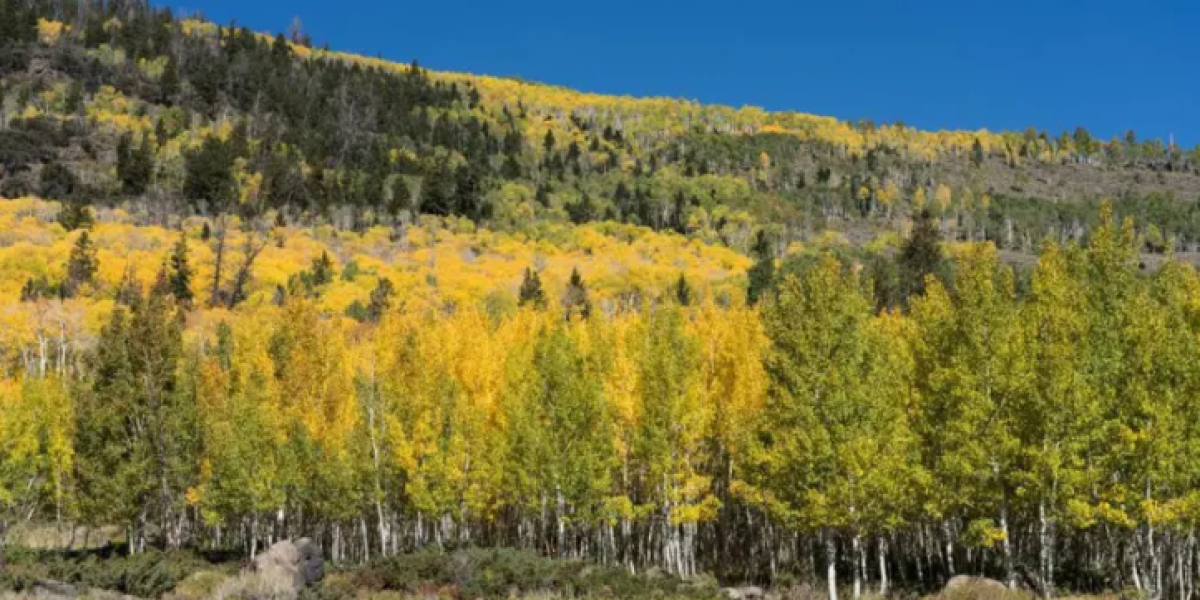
(831,568)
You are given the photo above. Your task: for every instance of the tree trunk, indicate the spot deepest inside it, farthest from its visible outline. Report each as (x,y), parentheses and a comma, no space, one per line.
(883,571)
(831,564)
(856,554)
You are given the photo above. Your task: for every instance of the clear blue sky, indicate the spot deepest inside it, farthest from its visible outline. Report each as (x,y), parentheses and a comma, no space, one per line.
(935,64)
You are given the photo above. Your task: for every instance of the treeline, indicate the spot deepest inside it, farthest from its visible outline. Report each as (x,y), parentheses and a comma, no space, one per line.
(1040,431)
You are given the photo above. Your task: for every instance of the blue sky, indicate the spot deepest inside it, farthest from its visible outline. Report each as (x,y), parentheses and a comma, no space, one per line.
(935,64)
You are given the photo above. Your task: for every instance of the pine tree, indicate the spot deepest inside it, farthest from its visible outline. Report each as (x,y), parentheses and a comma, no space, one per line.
(542,196)
(381,300)
(322,270)
(181,273)
(576,301)
(168,84)
(762,275)
(134,429)
(82,265)
(208,174)
(683,291)
(124,158)
(58,182)
(531,293)
(401,196)
(75,214)
(921,255)
(129,291)
(438,191)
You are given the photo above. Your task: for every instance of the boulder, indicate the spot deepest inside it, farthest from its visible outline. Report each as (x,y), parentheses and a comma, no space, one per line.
(297,563)
(55,589)
(751,592)
(964,582)
(748,592)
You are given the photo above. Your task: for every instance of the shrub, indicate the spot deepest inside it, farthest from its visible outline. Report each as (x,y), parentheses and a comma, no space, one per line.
(148,575)
(501,573)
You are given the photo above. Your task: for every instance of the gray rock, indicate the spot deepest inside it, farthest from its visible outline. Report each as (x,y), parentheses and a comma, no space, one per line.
(959,582)
(751,592)
(747,592)
(55,589)
(298,563)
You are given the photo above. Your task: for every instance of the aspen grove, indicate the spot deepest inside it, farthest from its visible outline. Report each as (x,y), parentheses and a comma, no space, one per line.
(1036,427)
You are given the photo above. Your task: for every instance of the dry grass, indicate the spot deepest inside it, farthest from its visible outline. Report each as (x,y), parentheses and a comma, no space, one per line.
(199,586)
(270,585)
(42,595)
(49,536)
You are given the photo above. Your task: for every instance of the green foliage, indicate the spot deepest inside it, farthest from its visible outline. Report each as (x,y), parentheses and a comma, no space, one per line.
(684,294)
(75,214)
(762,275)
(575,301)
(479,573)
(209,174)
(81,265)
(921,256)
(135,169)
(134,425)
(146,575)
(181,273)
(531,293)
(58,182)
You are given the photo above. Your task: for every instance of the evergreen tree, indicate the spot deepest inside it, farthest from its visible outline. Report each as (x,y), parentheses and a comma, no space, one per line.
(921,255)
(531,292)
(181,273)
(381,300)
(209,174)
(75,214)
(57,182)
(135,165)
(583,211)
(762,275)
(576,301)
(134,429)
(322,270)
(437,191)
(74,100)
(401,196)
(683,292)
(468,200)
(169,83)
(81,265)
(129,291)
(542,196)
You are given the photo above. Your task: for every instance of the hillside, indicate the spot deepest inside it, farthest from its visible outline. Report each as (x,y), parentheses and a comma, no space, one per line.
(121,105)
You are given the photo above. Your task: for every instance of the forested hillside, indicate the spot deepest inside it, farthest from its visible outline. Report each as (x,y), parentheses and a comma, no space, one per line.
(252,289)
(110,102)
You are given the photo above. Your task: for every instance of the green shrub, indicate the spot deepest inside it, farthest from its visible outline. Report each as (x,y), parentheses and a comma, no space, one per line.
(148,575)
(501,573)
